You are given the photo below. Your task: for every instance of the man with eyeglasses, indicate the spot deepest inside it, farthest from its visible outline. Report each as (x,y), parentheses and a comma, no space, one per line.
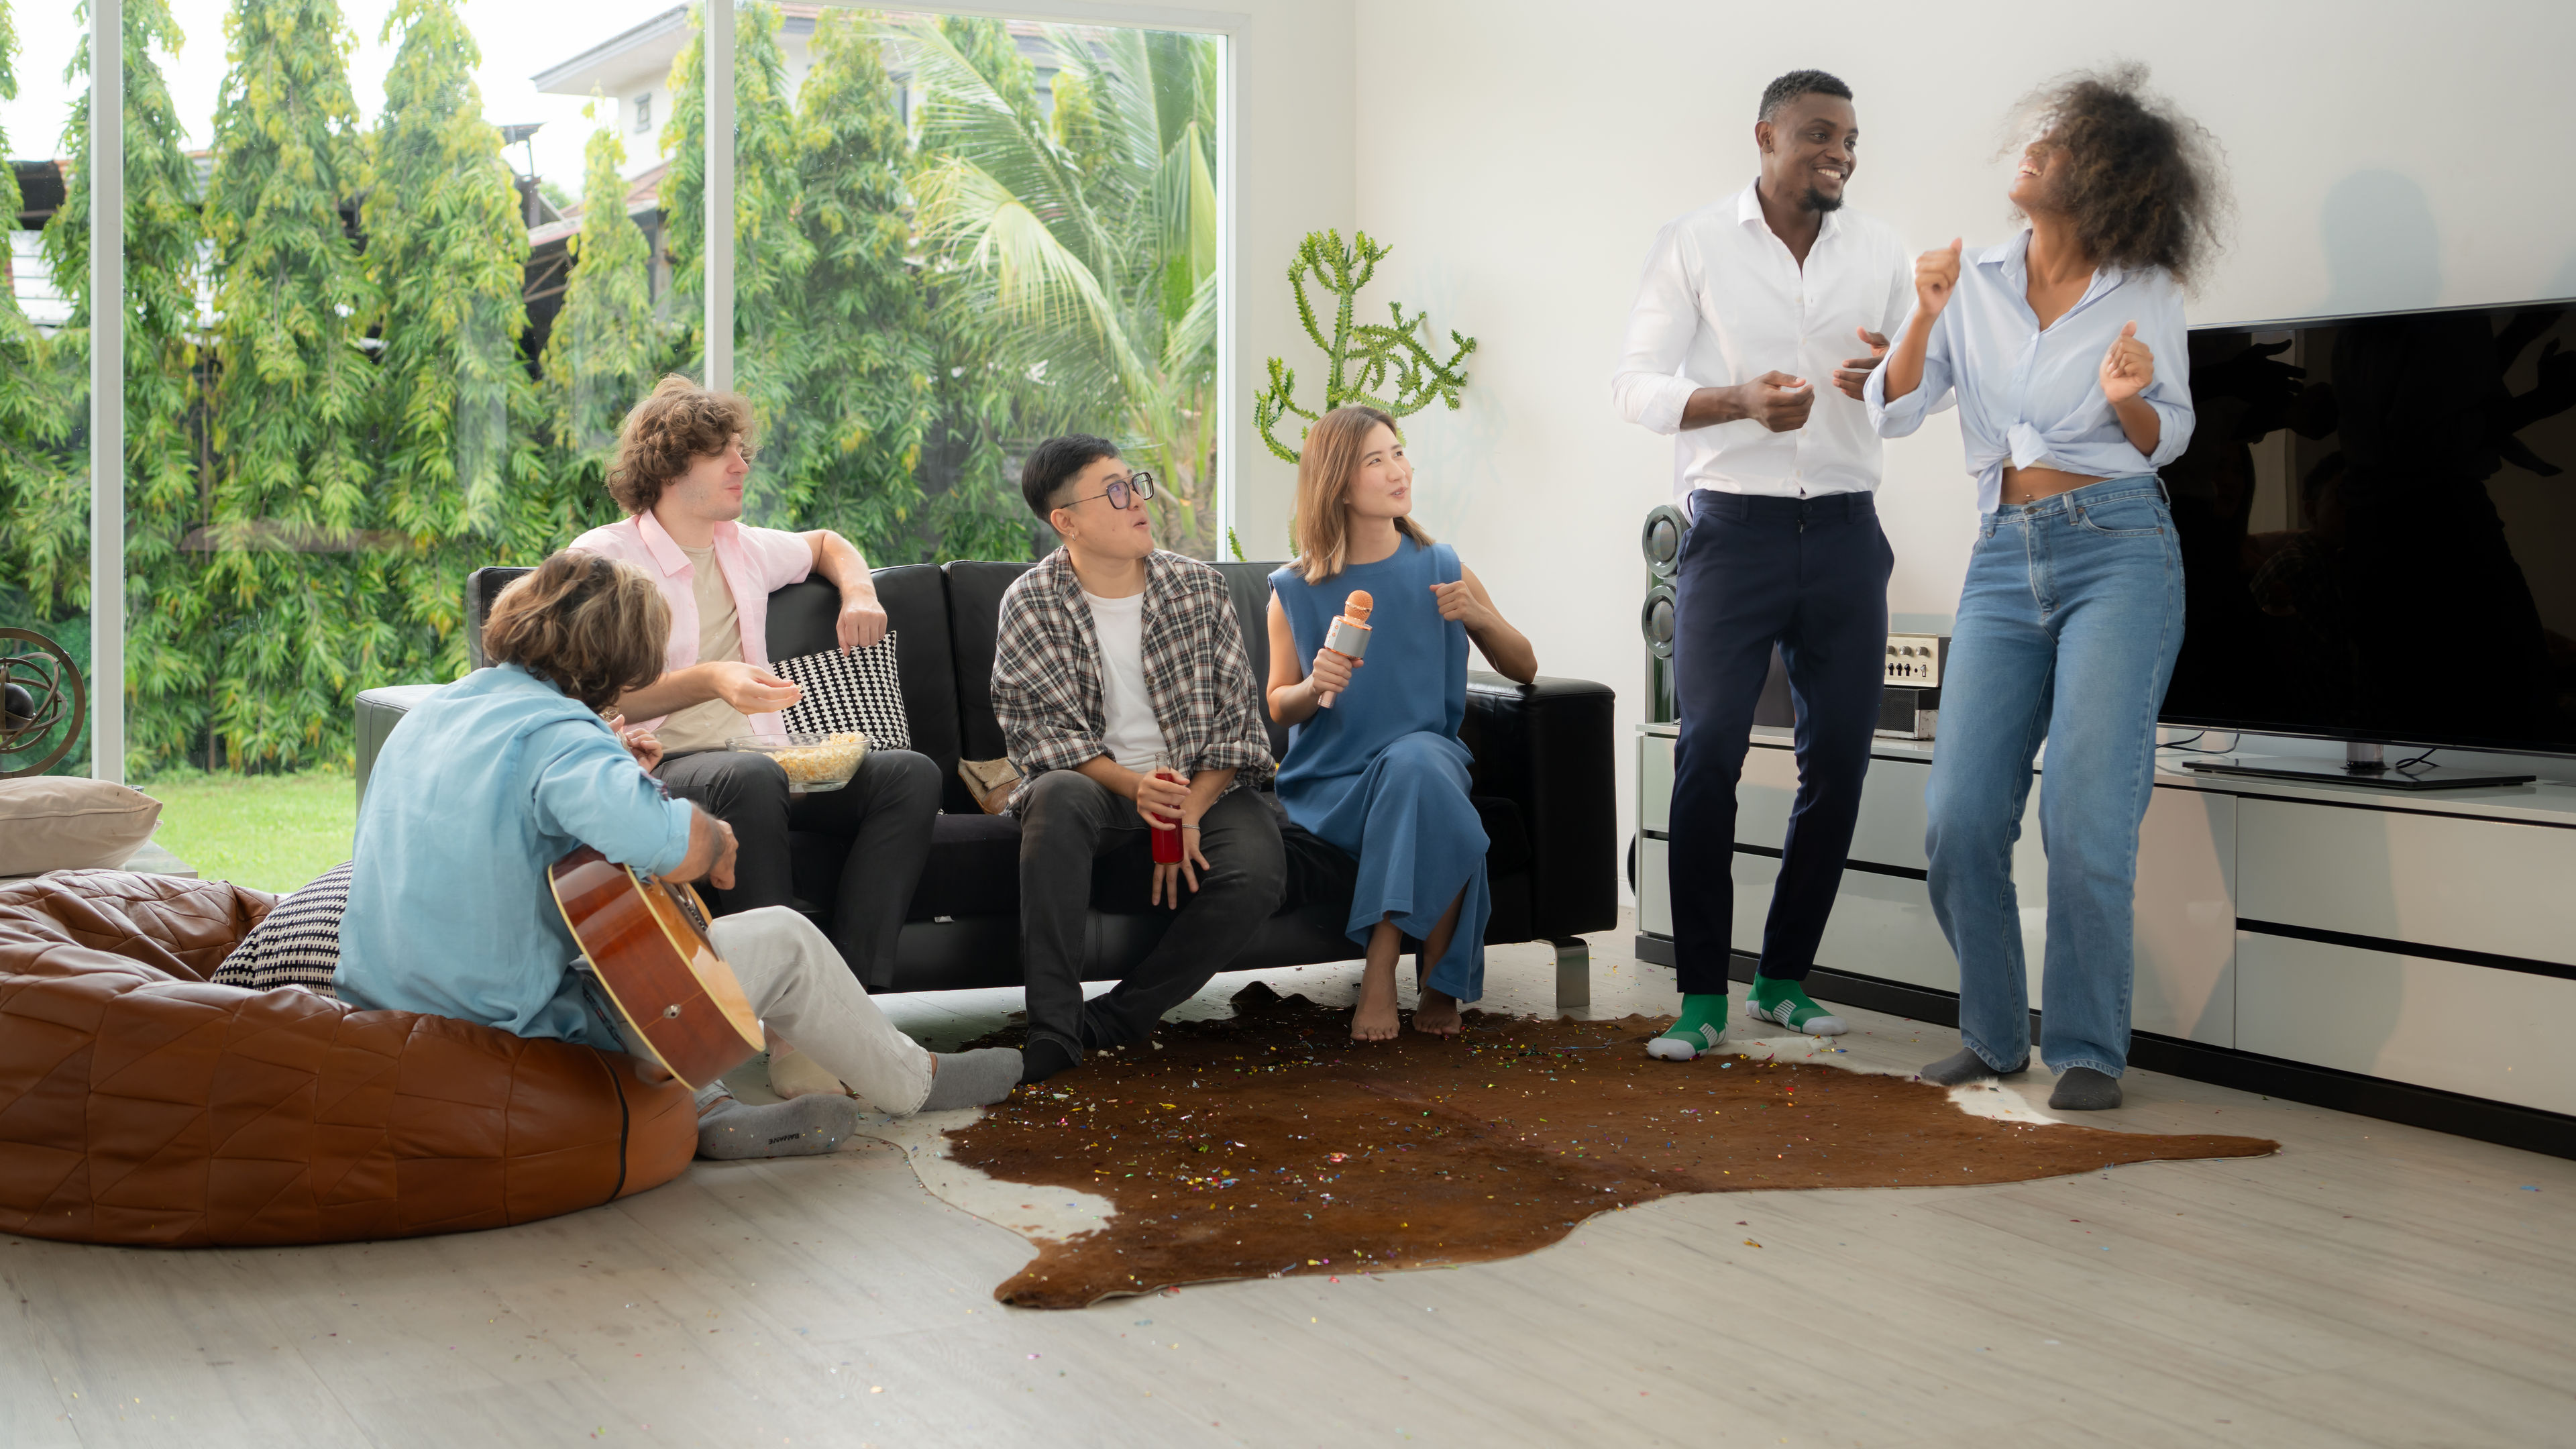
(1115,657)
(682,458)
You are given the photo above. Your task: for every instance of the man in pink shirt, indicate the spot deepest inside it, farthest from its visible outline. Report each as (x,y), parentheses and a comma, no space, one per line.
(681,461)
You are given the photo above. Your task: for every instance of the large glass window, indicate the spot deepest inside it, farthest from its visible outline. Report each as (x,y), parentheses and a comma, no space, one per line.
(395,269)
(958,235)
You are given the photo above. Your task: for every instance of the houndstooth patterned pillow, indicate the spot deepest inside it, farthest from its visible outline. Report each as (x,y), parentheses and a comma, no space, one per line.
(297,943)
(861,690)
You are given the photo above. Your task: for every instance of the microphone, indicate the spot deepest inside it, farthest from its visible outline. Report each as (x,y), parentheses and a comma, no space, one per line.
(1349,635)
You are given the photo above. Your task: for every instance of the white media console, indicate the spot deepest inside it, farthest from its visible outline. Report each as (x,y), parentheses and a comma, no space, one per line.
(2408,955)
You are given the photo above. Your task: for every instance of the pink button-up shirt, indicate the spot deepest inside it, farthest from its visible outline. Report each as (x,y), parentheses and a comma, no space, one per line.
(755,560)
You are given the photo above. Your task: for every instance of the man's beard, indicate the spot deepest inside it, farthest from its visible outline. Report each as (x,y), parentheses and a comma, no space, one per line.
(1817,201)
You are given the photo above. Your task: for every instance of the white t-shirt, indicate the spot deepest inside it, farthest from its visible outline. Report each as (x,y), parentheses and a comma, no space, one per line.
(1133,738)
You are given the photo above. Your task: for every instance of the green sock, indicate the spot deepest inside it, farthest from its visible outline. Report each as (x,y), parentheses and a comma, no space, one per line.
(1786,1002)
(1696,1030)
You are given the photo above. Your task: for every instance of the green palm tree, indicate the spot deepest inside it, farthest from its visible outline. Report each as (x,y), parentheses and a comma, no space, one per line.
(1090,233)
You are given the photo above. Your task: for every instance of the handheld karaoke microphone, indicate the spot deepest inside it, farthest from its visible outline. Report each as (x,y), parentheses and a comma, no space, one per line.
(1349,635)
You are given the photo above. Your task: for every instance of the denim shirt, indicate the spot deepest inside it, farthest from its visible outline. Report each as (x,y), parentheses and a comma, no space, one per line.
(2033,398)
(478,790)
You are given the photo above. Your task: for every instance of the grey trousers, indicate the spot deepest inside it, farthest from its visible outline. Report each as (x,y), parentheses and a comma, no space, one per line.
(885,812)
(1073,825)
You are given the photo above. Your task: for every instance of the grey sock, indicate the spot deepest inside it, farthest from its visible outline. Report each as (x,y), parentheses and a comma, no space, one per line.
(2083,1089)
(1964,1066)
(732,1128)
(973,1079)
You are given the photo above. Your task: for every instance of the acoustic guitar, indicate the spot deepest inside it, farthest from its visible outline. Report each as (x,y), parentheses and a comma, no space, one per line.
(646,940)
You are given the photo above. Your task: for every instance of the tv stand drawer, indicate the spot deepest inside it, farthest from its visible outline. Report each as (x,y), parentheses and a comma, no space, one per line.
(2432,880)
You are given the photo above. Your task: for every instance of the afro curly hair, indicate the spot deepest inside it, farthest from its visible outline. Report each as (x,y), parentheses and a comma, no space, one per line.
(2145,184)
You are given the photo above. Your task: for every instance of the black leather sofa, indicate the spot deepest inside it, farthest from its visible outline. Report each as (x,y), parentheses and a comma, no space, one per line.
(1543,781)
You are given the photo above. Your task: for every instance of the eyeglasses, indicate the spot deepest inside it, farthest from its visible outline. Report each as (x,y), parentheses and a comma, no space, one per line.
(1137,486)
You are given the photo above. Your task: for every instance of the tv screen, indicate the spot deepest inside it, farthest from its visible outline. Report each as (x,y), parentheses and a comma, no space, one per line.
(2378,530)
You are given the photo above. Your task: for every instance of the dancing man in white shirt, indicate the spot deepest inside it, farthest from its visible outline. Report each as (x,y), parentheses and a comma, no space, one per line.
(1745,304)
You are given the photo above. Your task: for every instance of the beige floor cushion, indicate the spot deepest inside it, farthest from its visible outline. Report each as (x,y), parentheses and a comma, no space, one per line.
(68,822)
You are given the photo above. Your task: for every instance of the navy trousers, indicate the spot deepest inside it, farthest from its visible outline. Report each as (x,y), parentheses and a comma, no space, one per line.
(1810,575)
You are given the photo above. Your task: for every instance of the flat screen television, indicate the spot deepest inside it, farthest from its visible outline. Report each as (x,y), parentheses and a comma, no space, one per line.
(2377,521)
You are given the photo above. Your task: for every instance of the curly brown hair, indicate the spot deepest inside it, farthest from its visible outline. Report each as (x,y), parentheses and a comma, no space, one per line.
(2145,184)
(591,626)
(676,424)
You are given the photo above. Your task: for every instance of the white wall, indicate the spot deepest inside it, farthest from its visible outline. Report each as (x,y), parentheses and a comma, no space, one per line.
(1520,155)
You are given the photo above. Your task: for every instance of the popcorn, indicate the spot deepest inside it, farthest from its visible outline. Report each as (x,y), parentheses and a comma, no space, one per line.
(813,762)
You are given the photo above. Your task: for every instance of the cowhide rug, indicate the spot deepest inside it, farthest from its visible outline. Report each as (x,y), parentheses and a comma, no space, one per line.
(1269,1144)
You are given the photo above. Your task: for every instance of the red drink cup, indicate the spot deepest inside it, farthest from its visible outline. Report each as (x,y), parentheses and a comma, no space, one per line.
(1167,839)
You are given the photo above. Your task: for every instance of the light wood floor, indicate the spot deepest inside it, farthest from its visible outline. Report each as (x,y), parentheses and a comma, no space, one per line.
(2372,1284)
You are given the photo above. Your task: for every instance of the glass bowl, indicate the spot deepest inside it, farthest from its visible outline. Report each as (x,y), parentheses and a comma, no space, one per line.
(814,762)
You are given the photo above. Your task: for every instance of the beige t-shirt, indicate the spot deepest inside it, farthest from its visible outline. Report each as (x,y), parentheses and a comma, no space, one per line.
(712,725)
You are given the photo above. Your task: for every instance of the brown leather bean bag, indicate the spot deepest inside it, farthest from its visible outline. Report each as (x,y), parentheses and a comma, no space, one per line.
(140,1103)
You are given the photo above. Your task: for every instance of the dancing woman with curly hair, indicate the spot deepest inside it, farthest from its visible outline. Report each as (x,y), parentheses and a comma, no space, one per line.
(2065,348)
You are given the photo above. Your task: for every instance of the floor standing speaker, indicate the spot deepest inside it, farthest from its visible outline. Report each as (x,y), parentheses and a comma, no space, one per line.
(1667,529)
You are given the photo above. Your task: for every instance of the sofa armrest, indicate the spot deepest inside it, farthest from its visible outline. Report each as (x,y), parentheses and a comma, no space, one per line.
(1547,747)
(379,710)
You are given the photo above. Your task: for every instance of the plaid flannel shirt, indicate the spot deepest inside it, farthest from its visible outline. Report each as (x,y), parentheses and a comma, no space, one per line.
(1046,673)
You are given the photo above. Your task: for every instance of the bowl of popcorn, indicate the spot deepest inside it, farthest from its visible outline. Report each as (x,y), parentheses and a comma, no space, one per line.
(814,762)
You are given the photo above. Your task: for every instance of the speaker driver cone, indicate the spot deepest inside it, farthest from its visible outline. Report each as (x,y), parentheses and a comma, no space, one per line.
(1655,621)
(1667,527)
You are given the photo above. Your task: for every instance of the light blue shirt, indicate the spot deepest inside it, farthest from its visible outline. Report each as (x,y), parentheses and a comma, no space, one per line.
(478,790)
(2032,398)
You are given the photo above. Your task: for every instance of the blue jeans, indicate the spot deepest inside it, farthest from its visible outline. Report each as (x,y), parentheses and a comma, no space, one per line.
(2067,632)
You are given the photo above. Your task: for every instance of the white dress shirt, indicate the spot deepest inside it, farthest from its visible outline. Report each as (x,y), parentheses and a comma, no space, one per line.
(1722,302)
(2033,398)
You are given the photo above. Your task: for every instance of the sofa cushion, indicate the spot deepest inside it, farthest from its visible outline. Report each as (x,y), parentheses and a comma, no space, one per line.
(482,587)
(1249,583)
(974,868)
(975,588)
(70,822)
(297,943)
(802,621)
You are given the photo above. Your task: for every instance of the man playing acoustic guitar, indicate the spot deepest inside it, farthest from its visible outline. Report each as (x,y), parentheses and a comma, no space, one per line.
(492,780)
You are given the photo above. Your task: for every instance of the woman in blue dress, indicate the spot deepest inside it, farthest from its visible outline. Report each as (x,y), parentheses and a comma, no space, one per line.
(1380,774)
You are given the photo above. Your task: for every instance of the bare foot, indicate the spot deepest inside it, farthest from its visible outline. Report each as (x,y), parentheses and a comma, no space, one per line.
(1375,1018)
(1437,1014)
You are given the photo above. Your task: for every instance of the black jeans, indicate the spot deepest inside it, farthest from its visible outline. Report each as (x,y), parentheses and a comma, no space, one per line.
(885,812)
(1071,825)
(1809,574)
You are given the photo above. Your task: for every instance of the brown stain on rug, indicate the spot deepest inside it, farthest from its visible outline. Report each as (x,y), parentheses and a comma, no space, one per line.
(1269,1144)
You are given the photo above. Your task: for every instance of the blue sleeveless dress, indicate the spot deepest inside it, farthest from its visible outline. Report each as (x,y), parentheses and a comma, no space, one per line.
(1381,775)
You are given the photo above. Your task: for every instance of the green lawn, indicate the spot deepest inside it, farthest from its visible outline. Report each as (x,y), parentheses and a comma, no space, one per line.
(269,832)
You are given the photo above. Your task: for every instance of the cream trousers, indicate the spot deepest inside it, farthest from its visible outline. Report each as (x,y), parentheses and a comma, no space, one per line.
(802,990)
